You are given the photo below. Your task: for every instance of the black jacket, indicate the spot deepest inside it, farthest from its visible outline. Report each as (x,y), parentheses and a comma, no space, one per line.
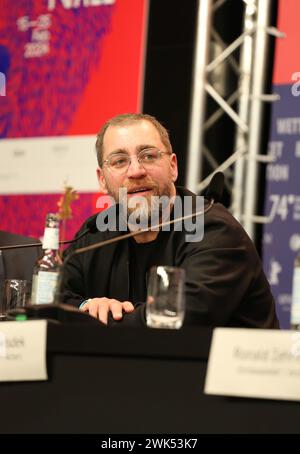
(225,282)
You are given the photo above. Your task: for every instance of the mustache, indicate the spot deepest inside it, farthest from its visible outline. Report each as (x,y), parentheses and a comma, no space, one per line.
(139,187)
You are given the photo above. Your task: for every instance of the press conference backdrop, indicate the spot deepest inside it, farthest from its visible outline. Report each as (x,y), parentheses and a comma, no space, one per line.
(281,241)
(66,67)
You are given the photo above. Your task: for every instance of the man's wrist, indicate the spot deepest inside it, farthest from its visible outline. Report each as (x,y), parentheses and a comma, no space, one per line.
(84,302)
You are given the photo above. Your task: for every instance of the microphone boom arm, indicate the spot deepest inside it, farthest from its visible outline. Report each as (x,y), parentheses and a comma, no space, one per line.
(138,232)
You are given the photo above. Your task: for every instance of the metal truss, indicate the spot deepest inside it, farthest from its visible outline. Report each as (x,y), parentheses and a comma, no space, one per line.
(241,168)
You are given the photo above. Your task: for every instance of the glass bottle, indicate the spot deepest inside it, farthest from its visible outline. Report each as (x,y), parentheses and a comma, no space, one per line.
(47,267)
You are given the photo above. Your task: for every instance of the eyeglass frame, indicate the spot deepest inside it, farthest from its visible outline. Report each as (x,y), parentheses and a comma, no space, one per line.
(106,161)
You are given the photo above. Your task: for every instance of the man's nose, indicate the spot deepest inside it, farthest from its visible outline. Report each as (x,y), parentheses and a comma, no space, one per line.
(135,169)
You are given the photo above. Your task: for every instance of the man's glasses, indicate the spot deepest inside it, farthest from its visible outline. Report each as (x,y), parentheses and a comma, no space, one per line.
(119,163)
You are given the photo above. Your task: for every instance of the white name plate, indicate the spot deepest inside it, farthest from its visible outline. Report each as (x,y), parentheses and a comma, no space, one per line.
(23,350)
(254,363)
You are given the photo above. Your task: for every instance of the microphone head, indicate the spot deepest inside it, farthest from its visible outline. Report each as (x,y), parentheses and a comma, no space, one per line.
(215,187)
(91,224)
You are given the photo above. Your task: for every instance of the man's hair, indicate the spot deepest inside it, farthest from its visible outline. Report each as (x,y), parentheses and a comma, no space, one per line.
(127,119)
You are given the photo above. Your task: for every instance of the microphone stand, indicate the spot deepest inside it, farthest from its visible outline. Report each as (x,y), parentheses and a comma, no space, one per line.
(100,244)
(19,246)
(138,232)
(214,193)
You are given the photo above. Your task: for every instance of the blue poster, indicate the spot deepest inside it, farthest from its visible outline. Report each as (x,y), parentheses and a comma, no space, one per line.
(281,240)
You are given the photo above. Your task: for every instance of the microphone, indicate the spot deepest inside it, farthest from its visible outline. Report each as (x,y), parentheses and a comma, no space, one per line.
(61,312)
(213,194)
(91,227)
(216,187)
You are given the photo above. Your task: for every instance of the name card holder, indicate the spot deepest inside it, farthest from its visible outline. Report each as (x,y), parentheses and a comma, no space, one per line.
(23,350)
(254,363)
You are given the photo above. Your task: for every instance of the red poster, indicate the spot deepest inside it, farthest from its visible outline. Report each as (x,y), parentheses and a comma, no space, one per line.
(69,65)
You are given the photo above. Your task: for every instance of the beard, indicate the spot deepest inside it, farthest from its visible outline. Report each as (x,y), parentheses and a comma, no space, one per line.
(147,210)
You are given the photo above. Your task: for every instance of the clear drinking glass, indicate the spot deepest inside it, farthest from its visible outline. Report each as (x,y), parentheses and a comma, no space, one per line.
(165,297)
(14,294)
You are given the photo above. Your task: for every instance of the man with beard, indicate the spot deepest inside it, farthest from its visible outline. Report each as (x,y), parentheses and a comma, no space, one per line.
(225,283)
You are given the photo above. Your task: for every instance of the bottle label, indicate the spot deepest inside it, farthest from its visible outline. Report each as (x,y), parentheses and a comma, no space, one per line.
(295,309)
(51,237)
(44,287)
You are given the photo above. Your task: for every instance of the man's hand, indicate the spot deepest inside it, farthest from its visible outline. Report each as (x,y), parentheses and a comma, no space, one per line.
(100,307)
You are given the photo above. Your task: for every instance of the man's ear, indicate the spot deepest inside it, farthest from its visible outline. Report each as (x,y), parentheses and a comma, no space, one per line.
(174,167)
(101,181)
